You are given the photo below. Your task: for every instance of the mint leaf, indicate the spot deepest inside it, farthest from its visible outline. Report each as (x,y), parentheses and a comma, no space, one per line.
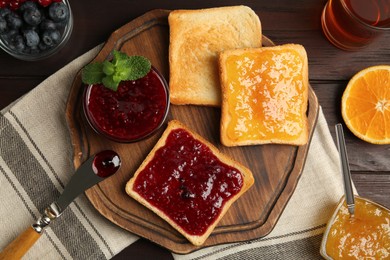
(111,73)
(109,82)
(108,67)
(139,66)
(118,56)
(123,69)
(92,73)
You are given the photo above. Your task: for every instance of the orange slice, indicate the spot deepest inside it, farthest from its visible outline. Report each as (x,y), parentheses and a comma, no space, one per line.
(365,104)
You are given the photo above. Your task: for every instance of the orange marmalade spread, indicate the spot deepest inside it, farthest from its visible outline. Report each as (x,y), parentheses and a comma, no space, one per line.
(266,95)
(366,235)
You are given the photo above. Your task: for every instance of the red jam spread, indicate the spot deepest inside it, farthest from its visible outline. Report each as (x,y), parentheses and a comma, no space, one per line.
(188,182)
(135,110)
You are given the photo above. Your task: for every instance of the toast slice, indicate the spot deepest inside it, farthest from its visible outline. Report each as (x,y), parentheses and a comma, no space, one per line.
(265,95)
(188,182)
(196,39)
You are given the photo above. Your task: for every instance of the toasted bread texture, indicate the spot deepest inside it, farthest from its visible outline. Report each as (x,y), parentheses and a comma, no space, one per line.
(196,39)
(265,95)
(177,184)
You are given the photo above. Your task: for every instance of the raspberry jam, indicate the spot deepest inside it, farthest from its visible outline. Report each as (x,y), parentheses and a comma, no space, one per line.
(106,163)
(131,113)
(188,182)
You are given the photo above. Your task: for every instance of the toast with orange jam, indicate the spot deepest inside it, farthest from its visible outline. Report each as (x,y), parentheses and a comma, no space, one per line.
(264,95)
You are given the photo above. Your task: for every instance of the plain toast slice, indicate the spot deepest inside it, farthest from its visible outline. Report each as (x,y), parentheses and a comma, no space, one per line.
(196,39)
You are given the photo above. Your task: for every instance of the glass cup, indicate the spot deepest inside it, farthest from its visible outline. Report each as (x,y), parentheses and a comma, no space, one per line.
(354,24)
(132,113)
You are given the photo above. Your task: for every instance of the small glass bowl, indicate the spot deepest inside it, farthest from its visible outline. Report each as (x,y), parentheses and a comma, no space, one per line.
(66,32)
(331,221)
(116,138)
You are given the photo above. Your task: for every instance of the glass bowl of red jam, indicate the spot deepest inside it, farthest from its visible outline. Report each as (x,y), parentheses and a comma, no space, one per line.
(135,111)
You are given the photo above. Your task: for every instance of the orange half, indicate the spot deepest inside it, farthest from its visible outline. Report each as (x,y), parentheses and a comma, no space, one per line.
(365,104)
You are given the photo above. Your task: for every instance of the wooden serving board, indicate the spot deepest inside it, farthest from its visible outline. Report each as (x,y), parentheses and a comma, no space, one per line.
(276,168)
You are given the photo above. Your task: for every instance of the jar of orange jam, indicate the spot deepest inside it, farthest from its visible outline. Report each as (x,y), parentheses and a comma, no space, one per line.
(365,235)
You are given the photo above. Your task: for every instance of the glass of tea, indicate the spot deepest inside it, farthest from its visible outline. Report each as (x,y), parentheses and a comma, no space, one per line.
(353,24)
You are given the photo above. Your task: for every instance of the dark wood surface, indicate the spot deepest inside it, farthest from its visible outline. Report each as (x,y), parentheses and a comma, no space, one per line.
(283,21)
(276,168)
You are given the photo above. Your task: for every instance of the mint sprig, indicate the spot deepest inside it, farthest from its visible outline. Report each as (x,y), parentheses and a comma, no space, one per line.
(111,73)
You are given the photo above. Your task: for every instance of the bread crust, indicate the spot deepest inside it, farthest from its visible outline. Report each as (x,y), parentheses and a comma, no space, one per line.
(196,39)
(247,176)
(225,115)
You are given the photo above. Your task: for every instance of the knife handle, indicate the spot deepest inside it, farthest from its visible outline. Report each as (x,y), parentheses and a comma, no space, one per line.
(17,248)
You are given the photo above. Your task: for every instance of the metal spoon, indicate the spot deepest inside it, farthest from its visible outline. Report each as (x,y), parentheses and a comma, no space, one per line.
(350,199)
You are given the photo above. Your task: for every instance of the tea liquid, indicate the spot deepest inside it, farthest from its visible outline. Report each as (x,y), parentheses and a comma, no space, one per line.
(352,24)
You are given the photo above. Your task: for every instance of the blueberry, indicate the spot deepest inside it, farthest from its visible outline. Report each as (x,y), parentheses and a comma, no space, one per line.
(58,12)
(47,25)
(32,16)
(8,36)
(14,21)
(28,5)
(31,38)
(3,25)
(4,12)
(61,24)
(42,46)
(51,37)
(19,43)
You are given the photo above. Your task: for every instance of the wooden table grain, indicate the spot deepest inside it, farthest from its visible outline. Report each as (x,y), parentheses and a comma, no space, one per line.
(283,21)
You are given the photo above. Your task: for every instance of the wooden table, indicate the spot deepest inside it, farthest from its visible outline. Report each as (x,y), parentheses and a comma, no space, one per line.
(283,21)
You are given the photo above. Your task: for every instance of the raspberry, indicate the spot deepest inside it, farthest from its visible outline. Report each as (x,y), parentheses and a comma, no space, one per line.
(14,5)
(44,3)
(4,4)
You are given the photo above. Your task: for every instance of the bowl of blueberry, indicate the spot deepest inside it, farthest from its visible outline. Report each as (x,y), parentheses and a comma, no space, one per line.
(34,29)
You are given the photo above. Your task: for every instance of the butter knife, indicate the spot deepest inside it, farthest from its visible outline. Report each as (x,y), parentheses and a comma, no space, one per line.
(91,172)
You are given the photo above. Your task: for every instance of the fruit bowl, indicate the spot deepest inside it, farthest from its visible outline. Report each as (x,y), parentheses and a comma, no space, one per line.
(35,30)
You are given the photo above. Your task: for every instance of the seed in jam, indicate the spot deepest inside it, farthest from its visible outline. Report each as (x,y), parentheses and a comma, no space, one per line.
(187,182)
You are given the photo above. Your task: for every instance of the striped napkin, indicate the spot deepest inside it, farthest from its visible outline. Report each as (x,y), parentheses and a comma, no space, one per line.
(36,164)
